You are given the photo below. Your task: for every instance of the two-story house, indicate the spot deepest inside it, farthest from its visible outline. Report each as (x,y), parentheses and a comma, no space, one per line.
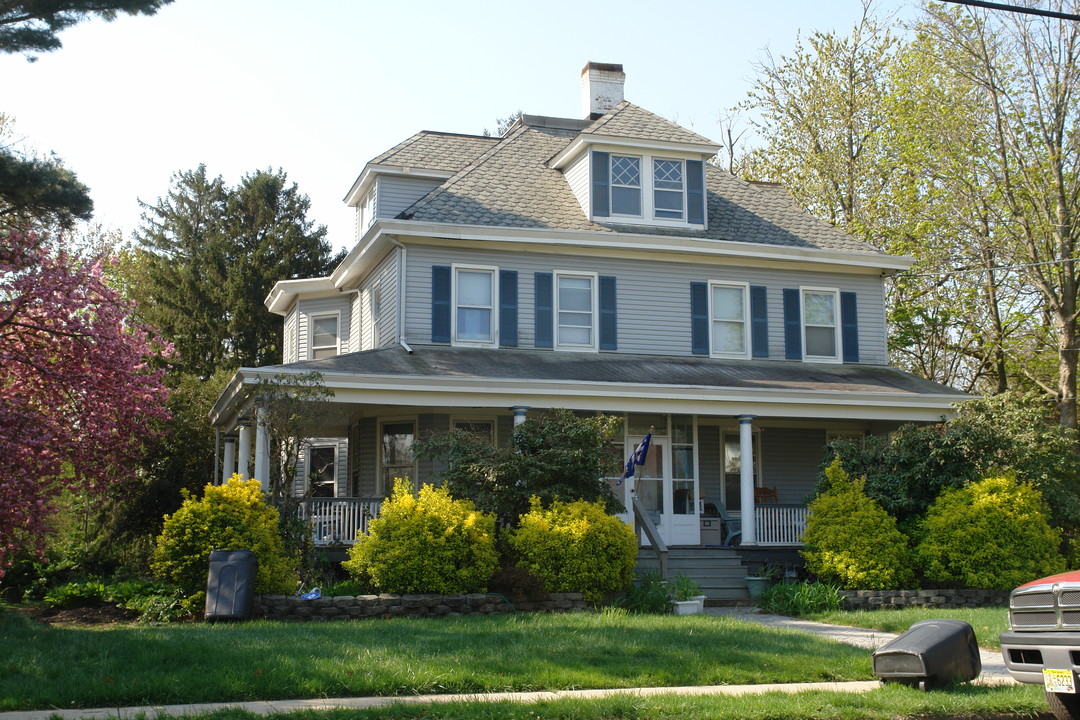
(600,264)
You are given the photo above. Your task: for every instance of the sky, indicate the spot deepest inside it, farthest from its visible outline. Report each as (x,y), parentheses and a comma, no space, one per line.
(319,88)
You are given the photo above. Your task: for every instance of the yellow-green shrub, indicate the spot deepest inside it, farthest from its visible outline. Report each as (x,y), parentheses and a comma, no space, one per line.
(429,543)
(990,534)
(851,540)
(575,547)
(232,516)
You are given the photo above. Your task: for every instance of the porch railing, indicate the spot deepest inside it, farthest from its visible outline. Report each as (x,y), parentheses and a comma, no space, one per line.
(336,521)
(780,524)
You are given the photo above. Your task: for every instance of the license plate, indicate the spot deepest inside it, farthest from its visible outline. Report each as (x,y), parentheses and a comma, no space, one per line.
(1060,681)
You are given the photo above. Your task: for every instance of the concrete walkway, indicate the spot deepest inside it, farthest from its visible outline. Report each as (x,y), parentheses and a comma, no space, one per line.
(993,672)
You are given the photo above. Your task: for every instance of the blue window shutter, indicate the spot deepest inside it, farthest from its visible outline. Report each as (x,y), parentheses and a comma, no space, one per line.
(699,318)
(695,192)
(544,310)
(440,303)
(759,321)
(792,325)
(601,178)
(609,324)
(849,326)
(508,308)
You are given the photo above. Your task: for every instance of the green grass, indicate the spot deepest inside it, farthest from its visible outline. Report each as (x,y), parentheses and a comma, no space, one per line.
(45,667)
(986,622)
(887,703)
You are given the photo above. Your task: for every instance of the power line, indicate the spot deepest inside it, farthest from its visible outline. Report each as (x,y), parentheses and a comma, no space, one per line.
(961,270)
(1017,9)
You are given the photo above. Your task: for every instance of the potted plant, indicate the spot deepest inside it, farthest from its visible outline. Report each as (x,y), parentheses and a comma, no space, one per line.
(685,596)
(766,575)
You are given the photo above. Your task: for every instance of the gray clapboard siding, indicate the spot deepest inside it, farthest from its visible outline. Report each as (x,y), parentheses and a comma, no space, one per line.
(653,298)
(790,457)
(364,456)
(289,344)
(710,461)
(577,175)
(396,194)
(379,329)
(427,425)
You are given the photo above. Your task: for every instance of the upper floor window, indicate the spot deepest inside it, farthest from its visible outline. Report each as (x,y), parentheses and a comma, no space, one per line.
(575,311)
(625,185)
(669,190)
(728,307)
(474,305)
(369,208)
(647,188)
(821,329)
(324,336)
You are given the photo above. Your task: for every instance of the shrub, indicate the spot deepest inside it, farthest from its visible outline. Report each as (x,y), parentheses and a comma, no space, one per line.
(648,594)
(851,540)
(991,534)
(575,547)
(85,593)
(232,516)
(429,543)
(800,599)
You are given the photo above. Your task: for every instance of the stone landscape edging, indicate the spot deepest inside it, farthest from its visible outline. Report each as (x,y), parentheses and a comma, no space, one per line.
(894,599)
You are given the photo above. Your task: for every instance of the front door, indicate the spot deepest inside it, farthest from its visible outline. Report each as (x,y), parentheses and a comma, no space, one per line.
(671,503)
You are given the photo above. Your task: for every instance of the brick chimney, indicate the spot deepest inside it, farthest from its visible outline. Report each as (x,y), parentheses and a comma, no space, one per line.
(601,88)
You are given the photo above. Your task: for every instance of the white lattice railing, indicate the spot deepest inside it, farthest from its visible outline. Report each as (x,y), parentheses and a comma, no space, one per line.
(336,521)
(780,524)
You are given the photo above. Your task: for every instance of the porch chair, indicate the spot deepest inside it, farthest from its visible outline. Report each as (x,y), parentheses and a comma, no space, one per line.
(763,495)
(731,526)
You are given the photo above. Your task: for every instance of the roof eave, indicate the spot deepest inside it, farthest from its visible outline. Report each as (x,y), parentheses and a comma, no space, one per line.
(584,140)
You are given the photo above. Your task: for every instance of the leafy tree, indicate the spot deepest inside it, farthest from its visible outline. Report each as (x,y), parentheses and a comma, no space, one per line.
(213,253)
(77,401)
(32,26)
(557,456)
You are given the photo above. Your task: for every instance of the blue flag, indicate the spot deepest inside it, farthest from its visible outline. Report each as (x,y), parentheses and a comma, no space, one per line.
(638,456)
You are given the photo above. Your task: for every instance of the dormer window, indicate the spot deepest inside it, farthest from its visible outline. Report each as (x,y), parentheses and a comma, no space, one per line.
(647,189)
(324,336)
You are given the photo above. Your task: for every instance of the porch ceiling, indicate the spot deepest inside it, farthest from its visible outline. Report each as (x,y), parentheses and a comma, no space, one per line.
(468,377)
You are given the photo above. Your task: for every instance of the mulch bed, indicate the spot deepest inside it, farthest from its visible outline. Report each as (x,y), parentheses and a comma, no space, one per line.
(102,615)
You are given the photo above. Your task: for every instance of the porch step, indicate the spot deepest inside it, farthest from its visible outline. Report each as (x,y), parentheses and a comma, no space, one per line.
(718,571)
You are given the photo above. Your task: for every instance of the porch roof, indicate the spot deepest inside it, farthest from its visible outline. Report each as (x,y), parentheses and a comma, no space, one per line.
(611,382)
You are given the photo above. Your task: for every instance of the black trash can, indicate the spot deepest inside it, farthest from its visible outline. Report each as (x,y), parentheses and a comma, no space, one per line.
(933,652)
(230,584)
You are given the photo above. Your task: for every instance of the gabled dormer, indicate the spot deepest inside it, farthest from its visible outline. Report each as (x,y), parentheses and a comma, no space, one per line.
(630,166)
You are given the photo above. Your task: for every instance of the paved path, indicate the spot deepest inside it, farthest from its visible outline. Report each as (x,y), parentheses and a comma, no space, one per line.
(993,672)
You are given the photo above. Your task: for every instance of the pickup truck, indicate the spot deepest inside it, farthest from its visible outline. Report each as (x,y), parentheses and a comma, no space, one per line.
(1042,645)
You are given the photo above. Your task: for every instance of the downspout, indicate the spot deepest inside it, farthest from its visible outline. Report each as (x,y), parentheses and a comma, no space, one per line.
(402,273)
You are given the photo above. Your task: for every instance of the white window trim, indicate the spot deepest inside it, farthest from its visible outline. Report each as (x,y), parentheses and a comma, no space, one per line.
(380,484)
(835,292)
(494,270)
(311,347)
(745,287)
(648,209)
(308,468)
(595,281)
(652,182)
(455,419)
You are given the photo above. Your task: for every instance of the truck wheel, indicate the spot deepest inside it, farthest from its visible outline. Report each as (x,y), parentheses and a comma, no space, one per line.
(1065,706)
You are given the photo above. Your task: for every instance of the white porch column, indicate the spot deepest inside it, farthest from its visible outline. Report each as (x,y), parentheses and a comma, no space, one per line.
(262,452)
(746,479)
(519,414)
(228,465)
(243,460)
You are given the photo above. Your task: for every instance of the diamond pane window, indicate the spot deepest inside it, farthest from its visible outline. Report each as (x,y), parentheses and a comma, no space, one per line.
(668,189)
(625,185)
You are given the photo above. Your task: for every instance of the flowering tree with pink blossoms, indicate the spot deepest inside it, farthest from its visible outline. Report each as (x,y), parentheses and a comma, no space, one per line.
(77,396)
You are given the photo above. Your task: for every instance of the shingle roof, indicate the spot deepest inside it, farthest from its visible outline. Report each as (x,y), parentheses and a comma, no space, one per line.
(628,120)
(602,368)
(437,151)
(511,185)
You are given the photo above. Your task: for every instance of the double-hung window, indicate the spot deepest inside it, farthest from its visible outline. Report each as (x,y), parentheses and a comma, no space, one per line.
(821,329)
(396,453)
(575,311)
(669,189)
(475,300)
(324,336)
(727,311)
(625,185)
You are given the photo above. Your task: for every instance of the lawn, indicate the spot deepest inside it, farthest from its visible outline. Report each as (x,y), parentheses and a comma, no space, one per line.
(45,667)
(987,622)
